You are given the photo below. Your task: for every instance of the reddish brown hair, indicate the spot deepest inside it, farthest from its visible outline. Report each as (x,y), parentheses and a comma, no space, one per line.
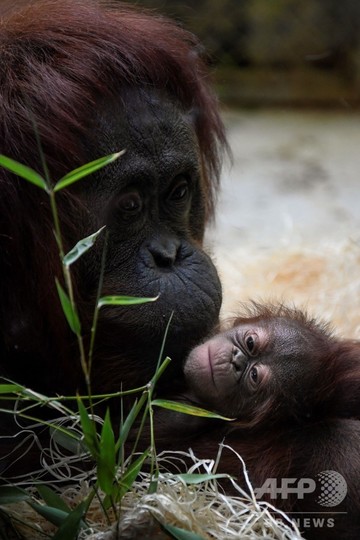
(58,58)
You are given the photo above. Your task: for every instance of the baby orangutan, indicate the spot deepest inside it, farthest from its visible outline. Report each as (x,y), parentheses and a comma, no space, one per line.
(293,391)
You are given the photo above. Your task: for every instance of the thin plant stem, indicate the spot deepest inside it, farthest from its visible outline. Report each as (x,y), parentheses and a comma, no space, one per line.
(40,421)
(96,491)
(69,285)
(154,464)
(120,393)
(141,426)
(98,295)
(146,398)
(58,237)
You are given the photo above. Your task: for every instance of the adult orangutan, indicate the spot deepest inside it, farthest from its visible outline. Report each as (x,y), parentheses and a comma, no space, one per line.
(80,79)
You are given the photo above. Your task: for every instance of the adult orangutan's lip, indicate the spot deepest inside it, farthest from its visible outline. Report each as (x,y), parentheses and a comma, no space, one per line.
(210,367)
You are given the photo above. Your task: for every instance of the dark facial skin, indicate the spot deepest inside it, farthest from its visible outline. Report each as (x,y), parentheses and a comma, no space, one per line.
(258,365)
(152,202)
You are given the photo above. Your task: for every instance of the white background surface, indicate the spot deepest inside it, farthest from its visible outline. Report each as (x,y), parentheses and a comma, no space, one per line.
(288,219)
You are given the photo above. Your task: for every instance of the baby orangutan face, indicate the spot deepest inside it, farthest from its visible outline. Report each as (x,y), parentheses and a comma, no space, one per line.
(263,366)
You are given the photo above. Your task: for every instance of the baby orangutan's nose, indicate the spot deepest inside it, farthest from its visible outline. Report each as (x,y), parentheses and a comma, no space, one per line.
(238,360)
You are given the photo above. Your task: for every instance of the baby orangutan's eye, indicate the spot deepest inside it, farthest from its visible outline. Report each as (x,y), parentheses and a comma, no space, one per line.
(254,374)
(258,377)
(251,343)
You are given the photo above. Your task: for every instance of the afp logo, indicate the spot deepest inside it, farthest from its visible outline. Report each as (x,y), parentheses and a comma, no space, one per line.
(331,486)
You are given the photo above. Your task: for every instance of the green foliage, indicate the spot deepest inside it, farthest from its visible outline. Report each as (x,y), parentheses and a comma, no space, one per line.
(68,309)
(69,522)
(52,499)
(10,388)
(193,479)
(12,494)
(129,476)
(23,172)
(89,431)
(107,458)
(85,170)
(123,301)
(81,247)
(72,523)
(187,409)
(67,438)
(54,515)
(128,424)
(181,534)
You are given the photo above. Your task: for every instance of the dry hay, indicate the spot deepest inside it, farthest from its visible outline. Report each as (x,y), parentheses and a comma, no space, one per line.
(201,508)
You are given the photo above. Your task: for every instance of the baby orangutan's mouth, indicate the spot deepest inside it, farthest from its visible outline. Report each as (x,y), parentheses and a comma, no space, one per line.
(211,367)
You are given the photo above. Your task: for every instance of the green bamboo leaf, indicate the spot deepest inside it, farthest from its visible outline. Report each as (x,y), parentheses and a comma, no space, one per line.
(23,171)
(52,499)
(10,388)
(70,440)
(106,461)
(70,314)
(35,396)
(153,486)
(129,476)
(13,494)
(181,534)
(124,300)
(54,515)
(187,409)
(62,519)
(127,425)
(81,247)
(74,521)
(86,170)
(89,431)
(200,478)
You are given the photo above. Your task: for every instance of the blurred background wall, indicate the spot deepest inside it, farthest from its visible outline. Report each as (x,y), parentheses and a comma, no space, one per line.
(289,52)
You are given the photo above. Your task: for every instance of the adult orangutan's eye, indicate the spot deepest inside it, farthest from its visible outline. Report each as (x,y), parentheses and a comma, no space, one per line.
(129,205)
(180,190)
